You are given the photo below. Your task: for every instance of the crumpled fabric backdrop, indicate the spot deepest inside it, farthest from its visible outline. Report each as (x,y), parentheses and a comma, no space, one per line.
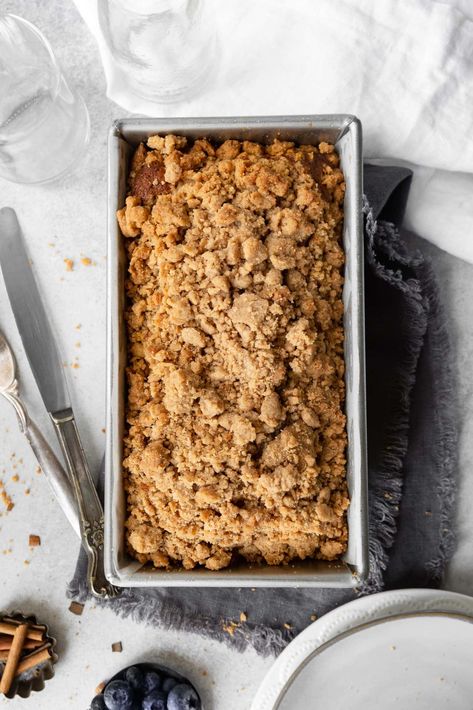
(404,67)
(411,442)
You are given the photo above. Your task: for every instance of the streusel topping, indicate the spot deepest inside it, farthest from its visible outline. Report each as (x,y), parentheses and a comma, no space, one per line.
(235,439)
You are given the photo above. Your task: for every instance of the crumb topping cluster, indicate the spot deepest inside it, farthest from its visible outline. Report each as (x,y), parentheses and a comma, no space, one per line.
(235,427)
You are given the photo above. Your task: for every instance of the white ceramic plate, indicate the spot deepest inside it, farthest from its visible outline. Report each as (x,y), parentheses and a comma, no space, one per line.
(400,649)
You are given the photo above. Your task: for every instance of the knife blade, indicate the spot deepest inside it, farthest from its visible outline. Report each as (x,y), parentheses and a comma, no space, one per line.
(43,355)
(30,315)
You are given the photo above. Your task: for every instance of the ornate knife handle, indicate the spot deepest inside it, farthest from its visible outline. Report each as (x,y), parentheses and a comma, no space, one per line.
(88,503)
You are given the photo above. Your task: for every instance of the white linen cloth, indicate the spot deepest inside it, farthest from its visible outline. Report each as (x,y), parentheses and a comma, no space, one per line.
(404,67)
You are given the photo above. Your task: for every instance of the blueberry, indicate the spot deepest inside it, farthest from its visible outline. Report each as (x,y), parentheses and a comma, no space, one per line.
(134,677)
(156,700)
(118,695)
(183,697)
(98,703)
(169,683)
(152,681)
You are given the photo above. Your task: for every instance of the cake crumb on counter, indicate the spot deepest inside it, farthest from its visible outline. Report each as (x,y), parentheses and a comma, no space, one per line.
(5,498)
(76,608)
(69,264)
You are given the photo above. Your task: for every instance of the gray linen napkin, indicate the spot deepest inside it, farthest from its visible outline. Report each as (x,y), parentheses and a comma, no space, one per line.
(411,441)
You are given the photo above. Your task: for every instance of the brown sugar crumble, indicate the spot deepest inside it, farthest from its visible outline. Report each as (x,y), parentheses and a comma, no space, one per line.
(76,608)
(69,264)
(236,434)
(5,498)
(34,541)
(85,261)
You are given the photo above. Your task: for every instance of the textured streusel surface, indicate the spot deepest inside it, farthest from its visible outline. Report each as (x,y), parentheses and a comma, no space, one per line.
(235,439)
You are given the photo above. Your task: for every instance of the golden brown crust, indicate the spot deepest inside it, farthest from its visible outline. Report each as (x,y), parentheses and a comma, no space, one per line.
(235,441)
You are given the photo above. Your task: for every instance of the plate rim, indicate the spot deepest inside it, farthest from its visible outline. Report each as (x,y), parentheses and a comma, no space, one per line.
(380,605)
(465,618)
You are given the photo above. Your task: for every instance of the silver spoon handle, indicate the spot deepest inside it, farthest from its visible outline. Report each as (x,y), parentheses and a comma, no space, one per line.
(47,459)
(89,506)
(55,474)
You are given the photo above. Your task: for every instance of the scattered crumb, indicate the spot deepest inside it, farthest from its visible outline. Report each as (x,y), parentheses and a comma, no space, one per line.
(230,627)
(204,673)
(76,608)
(77,344)
(100,687)
(6,500)
(78,326)
(27,491)
(243,616)
(117,647)
(26,562)
(75,365)
(86,261)
(103,430)
(428,512)
(287,626)
(393,648)
(313,617)
(38,470)
(15,478)
(69,264)
(34,541)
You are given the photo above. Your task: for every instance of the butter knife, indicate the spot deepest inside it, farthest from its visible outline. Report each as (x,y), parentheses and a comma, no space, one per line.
(43,356)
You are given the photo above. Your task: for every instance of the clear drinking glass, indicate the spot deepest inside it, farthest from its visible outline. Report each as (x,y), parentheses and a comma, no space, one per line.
(44,125)
(166,48)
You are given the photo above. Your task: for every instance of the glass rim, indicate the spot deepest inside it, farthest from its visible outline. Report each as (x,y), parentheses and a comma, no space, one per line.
(35,30)
(143,13)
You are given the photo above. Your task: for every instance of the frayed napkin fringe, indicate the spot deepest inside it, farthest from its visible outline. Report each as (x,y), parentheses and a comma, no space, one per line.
(447,436)
(385,491)
(265,640)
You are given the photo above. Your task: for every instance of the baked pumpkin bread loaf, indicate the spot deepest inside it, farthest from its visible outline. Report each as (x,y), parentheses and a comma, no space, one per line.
(235,437)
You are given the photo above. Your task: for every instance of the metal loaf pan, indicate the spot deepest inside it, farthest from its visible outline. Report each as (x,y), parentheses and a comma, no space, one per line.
(345,132)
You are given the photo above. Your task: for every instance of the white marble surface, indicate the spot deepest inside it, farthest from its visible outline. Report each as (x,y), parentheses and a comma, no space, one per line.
(67,220)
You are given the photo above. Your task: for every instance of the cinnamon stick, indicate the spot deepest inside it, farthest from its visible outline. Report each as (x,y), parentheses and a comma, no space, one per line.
(6,642)
(34,659)
(11,665)
(10,627)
